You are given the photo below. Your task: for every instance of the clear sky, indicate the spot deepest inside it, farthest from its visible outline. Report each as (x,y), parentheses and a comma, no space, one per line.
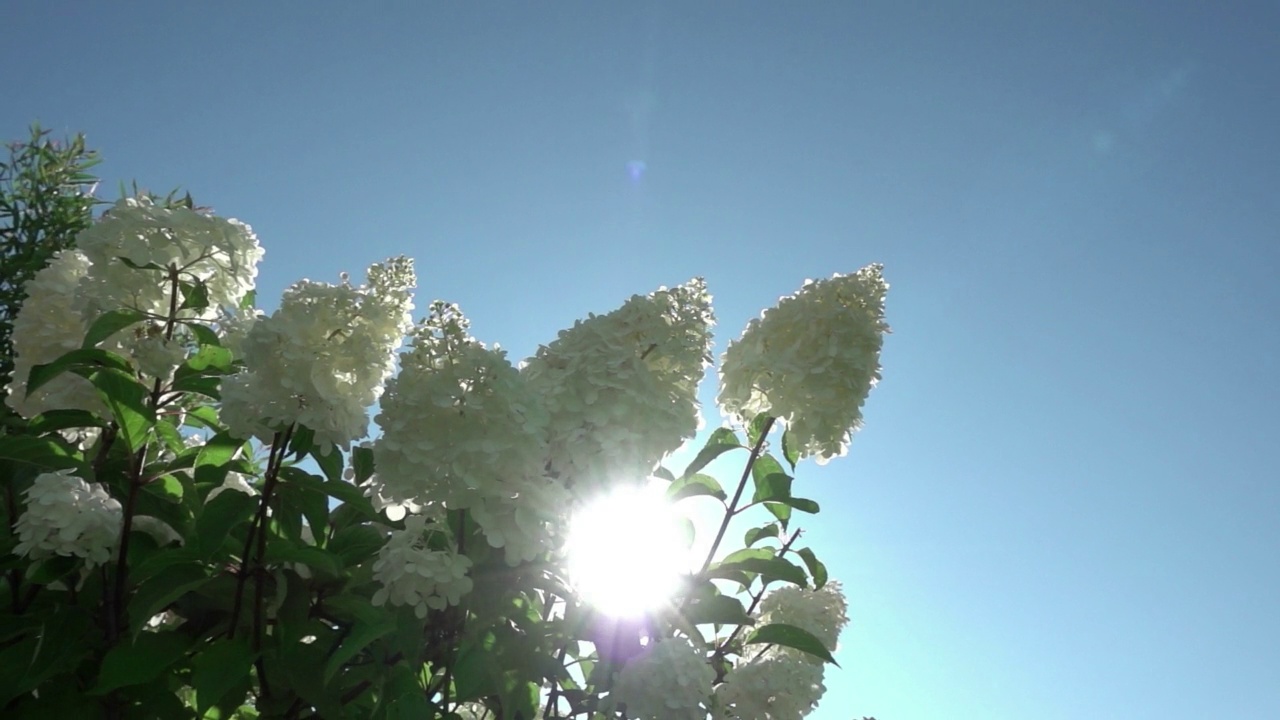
(1065,502)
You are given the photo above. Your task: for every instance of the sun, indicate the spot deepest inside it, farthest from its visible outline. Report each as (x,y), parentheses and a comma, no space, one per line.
(627,551)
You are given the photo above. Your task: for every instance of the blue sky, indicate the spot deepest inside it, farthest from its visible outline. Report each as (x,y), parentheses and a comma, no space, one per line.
(1063,504)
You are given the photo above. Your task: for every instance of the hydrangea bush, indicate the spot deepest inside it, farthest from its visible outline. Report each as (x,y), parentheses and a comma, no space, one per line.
(198,525)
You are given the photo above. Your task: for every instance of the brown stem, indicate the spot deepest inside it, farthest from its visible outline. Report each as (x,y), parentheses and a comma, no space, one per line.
(126,529)
(279,448)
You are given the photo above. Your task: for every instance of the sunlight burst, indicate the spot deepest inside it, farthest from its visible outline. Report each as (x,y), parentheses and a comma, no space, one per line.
(627,551)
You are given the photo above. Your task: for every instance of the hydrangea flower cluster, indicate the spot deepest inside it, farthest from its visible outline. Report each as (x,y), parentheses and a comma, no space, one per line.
(47,327)
(621,388)
(413,574)
(220,253)
(461,429)
(119,263)
(811,361)
(783,683)
(822,612)
(67,516)
(775,687)
(321,359)
(670,680)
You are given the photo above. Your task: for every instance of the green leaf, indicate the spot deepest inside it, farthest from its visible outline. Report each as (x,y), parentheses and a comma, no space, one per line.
(42,452)
(304,438)
(789,451)
(209,357)
(204,335)
(150,654)
(769,569)
(756,427)
(331,464)
(721,441)
(781,511)
(205,416)
(217,669)
(363,632)
(54,420)
(792,637)
(311,501)
(694,485)
(209,386)
(803,505)
(127,399)
(355,543)
(85,359)
(362,463)
(62,644)
(772,484)
(225,511)
(756,534)
(249,300)
(280,550)
(157,593)
(218,450)
(720,610)
(816,568)
(109,324)
(195,296)
(351,496)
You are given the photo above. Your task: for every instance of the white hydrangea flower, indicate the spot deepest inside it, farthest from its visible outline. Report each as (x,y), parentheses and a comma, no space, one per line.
(522,517)
(81,438)
(412,574)
(221,253)
(621,388)
(234,325)
(823,612)
(80,285)
(776,687)
(157,356)
(321,359)
(47,327)
(811,361)
(67,516)
(239,482)
(396,509)
(458,420)
(477,711)
(670,680)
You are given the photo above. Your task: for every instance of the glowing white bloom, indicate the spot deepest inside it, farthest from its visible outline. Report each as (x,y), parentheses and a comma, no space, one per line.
(457,421)
(47,327)
(776,687)
(239,482)
(234,325)
(412,574)
(477,711)
(521,516)
(156,356)
(321,359)
(811,361)
(670,680)
(67,516)
(105,273)
(621,388)
(221,253)
(822,612)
